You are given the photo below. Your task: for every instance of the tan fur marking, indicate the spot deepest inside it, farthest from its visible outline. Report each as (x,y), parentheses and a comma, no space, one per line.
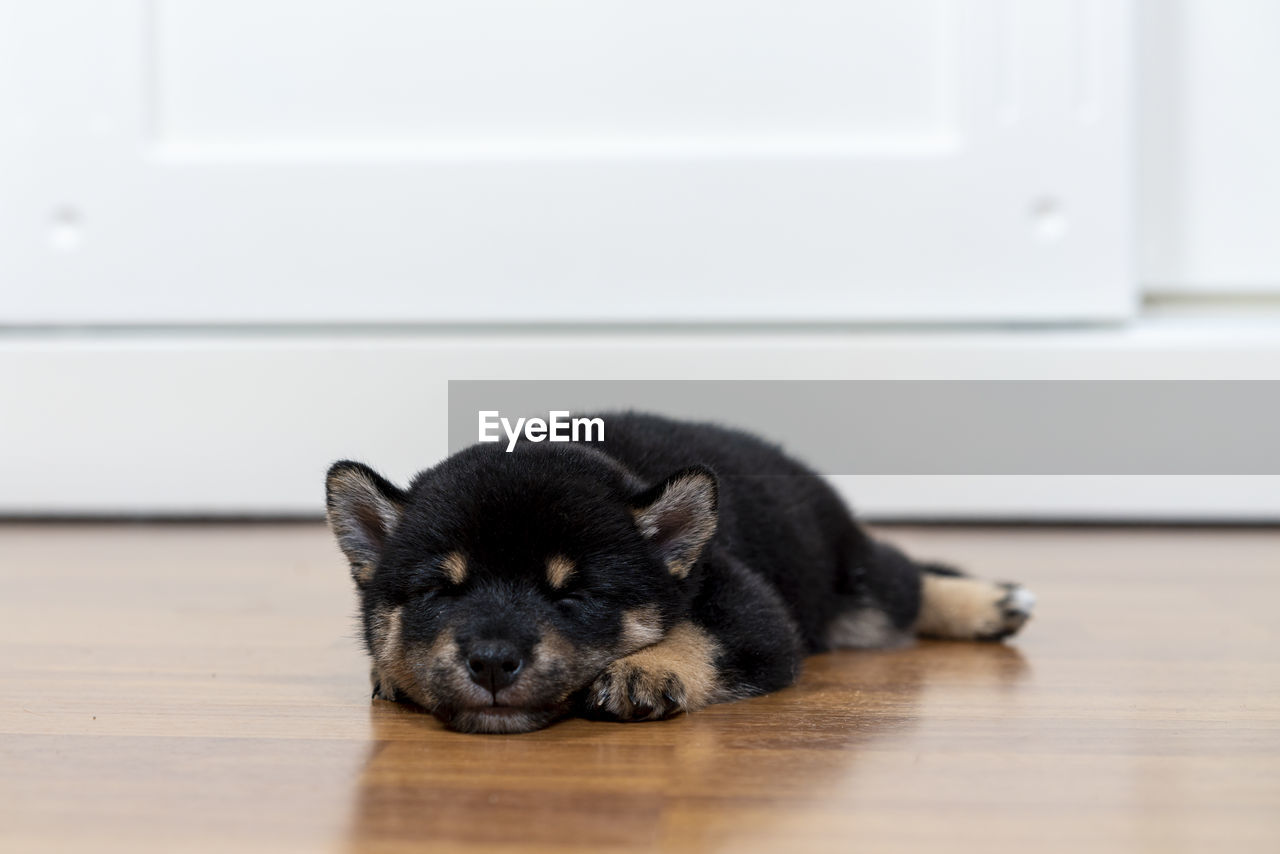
(439,658)
(960,608)
(362,572)
(690,654)
(553,651)
(559,569)
(455,567)
(398,665)
(375,682)
(385,626)
(681,667)
(553,655)
(640,628)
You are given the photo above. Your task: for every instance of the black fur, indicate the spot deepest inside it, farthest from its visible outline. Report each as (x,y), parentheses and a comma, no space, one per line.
(632,516)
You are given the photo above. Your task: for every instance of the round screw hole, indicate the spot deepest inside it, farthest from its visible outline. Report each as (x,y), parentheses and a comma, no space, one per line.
(1048,219)
(66,229)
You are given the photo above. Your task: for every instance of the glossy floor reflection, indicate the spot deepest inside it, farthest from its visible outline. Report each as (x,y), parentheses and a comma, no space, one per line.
(726,776)
(198,688)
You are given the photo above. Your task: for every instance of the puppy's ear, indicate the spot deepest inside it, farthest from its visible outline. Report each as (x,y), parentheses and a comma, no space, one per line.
(678,516)
(363,509)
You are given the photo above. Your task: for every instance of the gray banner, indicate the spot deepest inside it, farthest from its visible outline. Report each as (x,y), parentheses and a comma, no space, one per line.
(934,427)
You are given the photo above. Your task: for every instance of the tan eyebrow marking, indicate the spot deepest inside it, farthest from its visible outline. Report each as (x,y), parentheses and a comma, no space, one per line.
(559,568)
(455,567)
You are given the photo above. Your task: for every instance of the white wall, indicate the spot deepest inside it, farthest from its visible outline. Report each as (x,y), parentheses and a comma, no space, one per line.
(165,422)
(165,164)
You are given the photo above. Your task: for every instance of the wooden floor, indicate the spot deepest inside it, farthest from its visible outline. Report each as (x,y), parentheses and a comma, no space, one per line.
(188,688)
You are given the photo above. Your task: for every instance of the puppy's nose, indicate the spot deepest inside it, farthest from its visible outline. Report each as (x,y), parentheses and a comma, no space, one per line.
(494,664)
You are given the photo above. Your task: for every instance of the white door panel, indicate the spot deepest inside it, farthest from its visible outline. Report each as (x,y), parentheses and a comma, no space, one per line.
(342,161)
(557,73)
(1209,146)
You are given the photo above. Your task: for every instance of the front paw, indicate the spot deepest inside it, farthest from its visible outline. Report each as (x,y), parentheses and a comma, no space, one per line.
(677,674)
(382,687)
(629,690)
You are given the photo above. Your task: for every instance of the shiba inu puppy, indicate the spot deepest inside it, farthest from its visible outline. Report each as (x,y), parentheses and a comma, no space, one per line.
(670,566)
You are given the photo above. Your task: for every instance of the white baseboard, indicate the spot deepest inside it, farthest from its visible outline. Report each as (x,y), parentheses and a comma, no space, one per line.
(244,422)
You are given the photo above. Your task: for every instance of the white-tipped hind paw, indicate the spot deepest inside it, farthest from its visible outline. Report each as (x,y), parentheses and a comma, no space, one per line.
(963,608)
(1014,611)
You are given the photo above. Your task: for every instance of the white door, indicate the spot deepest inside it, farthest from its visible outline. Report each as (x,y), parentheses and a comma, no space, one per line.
(1209,147)
(292,161)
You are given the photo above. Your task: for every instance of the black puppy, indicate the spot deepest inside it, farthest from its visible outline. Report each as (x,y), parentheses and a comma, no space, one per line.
(671,566)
